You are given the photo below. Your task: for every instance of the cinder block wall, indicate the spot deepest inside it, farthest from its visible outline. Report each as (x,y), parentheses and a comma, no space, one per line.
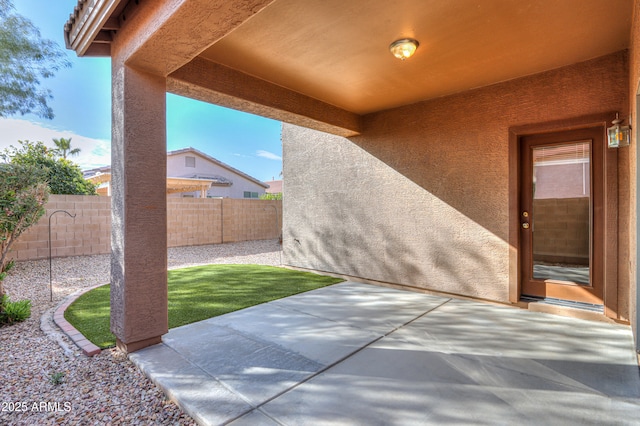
(88,233)
(191,221)
(561,230)
(246,220)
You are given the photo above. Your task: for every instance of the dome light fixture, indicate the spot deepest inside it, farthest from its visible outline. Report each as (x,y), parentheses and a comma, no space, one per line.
(404,48)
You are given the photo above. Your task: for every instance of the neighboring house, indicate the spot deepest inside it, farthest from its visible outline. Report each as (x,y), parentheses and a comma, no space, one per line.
(100,176)
(413,173)
(194,174)
(228,182)
(92,173)
(275,186)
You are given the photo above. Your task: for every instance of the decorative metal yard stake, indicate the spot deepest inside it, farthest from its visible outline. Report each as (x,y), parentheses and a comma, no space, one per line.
(50,280)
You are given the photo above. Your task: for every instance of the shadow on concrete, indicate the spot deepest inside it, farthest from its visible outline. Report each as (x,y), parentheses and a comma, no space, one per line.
(360,354)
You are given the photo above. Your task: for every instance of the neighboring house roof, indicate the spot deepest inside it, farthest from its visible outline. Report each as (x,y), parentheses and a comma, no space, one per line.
(97,171)
(275,186)
(218,162)
(99,177)
(214,179)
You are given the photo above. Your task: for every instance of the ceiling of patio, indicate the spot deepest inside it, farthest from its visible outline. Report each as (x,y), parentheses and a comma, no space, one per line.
(336,51)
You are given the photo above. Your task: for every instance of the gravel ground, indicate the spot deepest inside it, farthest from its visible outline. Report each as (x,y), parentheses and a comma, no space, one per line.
(103,390)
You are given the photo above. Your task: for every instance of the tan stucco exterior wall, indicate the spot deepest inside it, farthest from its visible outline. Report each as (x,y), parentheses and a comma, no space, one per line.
(190,222)
(421,198)
(630,264)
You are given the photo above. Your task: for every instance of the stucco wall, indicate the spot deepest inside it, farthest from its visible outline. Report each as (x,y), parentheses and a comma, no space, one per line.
(629,260)
(190,222)
(421,197)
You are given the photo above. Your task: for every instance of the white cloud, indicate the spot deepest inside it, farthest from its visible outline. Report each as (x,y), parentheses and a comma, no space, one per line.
(269,155)
(94,152)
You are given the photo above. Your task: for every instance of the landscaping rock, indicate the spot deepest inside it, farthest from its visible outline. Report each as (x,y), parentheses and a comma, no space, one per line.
(106,388)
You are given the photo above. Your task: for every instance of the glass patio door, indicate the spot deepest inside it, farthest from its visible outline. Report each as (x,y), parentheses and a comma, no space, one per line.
(561,216)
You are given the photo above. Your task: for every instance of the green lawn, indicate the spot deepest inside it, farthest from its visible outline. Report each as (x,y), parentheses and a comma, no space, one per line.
(199,293)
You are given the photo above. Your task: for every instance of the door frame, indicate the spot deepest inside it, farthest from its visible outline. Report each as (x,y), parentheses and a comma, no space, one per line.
(610,185)
(591,292)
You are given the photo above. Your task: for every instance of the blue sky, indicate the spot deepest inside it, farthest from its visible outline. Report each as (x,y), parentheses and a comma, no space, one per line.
(82,108)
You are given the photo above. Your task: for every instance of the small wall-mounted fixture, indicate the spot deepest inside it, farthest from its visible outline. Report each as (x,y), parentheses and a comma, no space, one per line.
(404,48)
(617,135)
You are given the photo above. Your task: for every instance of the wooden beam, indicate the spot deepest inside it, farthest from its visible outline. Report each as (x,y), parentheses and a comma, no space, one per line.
(112,24)
(98,49)
(103,37)
(217,84)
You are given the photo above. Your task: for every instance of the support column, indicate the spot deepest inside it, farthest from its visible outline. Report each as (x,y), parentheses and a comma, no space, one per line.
(139,208)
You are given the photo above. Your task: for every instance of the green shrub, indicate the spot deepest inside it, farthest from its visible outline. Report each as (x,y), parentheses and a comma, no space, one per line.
(56,378)
(6,268)
(271,196)
(11,312)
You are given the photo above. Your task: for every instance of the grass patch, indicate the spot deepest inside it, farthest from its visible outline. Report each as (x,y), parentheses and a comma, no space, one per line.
(198,293)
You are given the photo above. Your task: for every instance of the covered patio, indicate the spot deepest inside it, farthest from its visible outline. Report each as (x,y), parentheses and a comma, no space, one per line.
(358,354)
(174,185)
(413,173)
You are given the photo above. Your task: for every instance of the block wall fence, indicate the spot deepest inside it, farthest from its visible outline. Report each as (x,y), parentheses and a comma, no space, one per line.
(561,230)
(190,222)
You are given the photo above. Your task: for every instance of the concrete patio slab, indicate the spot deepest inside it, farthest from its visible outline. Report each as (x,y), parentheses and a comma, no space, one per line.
(377,314)
(314,338)
(209,401)
(360,354)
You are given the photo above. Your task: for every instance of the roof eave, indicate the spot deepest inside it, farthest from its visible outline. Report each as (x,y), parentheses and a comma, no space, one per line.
(84,25)
(218,162)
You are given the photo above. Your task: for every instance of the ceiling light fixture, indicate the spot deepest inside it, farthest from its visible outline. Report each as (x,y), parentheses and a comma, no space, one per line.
(404,48)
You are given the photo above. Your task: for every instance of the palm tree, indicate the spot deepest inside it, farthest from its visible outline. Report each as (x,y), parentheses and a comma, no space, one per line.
(63,148)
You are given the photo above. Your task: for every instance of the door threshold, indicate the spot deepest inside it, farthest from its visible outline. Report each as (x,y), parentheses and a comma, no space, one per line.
(566,308)
(563,303)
